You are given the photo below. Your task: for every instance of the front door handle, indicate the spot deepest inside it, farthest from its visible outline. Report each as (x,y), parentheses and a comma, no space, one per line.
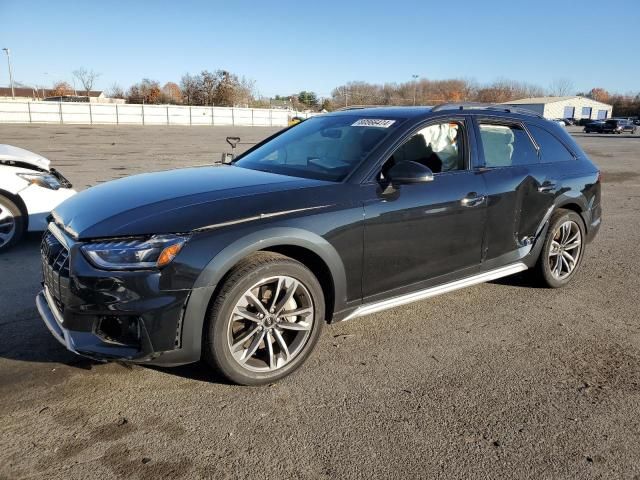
(547,186)
(472,199)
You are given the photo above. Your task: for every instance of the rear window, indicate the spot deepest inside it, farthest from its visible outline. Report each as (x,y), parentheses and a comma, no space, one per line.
(551,149)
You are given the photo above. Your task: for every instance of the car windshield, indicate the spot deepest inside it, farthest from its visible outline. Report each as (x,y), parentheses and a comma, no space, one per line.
(326,147)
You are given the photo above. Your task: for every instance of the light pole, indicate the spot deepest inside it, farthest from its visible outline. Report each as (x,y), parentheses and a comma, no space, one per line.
(8,52)
(415,87)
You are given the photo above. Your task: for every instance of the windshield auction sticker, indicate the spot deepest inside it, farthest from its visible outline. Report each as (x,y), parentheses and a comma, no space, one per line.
(373,122)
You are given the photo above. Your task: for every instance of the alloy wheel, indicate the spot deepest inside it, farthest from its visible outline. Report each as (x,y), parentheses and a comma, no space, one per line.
(270,324)
(7,225)
(565,249)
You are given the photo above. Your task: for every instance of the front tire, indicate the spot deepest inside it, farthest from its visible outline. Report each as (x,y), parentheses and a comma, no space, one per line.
(12,223)
(563,249)
(265,320)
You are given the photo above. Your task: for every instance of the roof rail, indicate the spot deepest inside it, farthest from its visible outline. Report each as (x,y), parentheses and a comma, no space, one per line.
(499,107)
(357,107)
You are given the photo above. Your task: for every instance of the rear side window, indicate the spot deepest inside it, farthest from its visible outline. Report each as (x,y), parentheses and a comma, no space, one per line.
(551,149)
(506,146)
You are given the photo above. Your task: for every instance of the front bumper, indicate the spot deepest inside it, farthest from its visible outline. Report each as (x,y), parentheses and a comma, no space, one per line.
(81,343)
(125,316)
(89,345)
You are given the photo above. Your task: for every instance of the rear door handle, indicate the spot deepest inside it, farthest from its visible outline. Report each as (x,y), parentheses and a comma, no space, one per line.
(472,199)
(547,186)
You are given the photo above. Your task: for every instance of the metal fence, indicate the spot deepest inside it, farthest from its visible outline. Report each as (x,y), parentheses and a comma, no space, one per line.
(131,114)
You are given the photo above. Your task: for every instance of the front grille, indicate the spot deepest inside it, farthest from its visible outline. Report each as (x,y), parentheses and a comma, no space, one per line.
(55,268)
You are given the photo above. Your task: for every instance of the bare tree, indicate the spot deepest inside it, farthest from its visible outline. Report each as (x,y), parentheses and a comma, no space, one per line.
(359,93)
(115,91)
(224,93)
(86,77)
(244,91)
(190,89)
(207,85)
(561,87)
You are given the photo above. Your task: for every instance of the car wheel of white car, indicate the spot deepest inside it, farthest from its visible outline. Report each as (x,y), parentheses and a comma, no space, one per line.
(11,223)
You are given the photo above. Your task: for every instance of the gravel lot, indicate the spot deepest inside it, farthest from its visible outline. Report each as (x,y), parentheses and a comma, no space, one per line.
(498,380)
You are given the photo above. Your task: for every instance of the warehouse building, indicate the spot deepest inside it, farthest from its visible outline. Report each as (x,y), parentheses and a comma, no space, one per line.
(565,107)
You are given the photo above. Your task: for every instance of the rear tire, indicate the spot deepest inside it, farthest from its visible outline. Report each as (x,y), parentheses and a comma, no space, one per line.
(265,320)
(563,250)
(12,223)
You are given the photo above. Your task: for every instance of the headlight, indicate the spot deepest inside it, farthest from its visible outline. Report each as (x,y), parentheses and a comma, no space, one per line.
(44,180)
(135,254)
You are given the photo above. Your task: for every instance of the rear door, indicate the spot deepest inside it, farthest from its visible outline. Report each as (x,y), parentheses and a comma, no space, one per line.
(520,188)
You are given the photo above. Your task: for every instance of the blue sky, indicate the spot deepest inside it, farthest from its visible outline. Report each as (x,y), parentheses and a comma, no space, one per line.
(288,46)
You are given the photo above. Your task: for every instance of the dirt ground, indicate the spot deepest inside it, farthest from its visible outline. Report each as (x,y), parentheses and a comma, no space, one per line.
(501,380)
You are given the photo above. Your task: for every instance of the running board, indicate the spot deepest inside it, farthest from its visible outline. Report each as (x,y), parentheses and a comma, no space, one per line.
(438,290)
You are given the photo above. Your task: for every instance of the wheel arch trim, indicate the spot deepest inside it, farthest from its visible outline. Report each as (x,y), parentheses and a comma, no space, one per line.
(208,280)
(233,253)
(577,204)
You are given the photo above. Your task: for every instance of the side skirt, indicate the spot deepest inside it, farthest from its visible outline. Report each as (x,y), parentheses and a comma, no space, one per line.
(438,290)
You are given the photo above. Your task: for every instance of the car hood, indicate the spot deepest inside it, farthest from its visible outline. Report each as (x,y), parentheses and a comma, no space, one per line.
(180,201)
(9,153)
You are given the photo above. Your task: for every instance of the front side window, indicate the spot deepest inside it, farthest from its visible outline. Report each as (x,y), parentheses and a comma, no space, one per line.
(551,149)
(323,147)
(438,146)
(506,145)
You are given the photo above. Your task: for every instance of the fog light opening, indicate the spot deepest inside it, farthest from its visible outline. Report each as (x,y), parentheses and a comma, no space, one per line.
(121,330)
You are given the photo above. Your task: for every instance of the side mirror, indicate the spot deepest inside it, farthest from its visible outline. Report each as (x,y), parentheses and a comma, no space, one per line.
(233,141)
(409,172)
(227,158)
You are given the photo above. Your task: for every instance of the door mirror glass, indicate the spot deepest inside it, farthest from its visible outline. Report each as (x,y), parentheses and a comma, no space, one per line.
(409,172)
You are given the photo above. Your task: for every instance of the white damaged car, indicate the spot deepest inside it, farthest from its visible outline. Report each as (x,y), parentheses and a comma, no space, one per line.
(29,190)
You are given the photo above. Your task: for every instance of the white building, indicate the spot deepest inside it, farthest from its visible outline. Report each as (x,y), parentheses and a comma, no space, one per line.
(565,107)
(28,94)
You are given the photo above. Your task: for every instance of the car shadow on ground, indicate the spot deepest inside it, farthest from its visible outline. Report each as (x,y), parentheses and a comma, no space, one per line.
(524,280)
(198,371)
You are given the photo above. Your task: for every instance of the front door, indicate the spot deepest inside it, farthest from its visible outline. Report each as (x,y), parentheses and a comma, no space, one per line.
(419,233)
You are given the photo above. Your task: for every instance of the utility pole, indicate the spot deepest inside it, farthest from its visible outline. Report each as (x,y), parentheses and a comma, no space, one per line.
(346,98)
(415,87)
(8,52)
